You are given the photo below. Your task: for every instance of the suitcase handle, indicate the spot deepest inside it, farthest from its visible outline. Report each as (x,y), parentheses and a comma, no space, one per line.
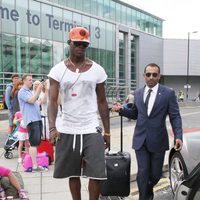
(121,133)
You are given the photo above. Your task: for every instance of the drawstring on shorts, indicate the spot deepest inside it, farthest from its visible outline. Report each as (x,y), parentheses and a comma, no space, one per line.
(81,143)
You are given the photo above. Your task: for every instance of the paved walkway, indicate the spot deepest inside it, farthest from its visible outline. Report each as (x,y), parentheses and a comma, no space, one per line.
(42,186)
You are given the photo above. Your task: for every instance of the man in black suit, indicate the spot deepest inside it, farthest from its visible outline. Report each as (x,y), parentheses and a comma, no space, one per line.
(152,104)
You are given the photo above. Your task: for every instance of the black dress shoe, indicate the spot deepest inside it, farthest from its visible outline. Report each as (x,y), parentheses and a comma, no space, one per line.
(151,197)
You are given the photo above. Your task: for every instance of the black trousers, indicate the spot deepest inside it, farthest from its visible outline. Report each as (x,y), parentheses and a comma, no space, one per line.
(149,171)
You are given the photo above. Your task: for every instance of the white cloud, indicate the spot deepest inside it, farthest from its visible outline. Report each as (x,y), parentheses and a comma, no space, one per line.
(181,16)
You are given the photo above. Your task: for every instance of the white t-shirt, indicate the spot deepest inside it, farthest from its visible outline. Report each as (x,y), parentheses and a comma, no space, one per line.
(78,98)
(43,105)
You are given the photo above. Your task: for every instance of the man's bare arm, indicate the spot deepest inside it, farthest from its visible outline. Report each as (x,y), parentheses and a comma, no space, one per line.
(53,105)
(103,107)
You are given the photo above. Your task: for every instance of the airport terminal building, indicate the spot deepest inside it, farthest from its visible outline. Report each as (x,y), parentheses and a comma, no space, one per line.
(124,39)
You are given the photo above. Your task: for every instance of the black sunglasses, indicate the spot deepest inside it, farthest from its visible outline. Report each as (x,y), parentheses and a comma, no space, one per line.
(85,44)
(153,74)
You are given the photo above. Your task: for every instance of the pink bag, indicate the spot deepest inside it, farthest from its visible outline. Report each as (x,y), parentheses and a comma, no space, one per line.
(43,160)
(27,162)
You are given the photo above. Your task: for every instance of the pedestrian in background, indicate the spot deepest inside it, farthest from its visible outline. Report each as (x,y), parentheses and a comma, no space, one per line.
(14,94)
(6,172)
(9,101)
(180,96)
(152,104)
(31,116)
(80,146)
(35,85)
(22,135)
(130,97)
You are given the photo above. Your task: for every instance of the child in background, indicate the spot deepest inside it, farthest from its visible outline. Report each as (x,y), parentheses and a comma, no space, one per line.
(5,172)
(22,135)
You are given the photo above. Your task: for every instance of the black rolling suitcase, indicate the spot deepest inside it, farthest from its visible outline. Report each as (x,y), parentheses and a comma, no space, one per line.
(118,172)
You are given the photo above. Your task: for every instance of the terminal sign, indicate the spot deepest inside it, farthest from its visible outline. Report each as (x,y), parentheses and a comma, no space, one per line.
(34,19)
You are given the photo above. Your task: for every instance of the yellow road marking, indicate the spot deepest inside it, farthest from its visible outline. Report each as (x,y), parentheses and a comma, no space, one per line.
(156,188)
(164,182)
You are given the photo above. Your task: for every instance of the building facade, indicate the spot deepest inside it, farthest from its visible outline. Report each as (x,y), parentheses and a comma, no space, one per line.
(34,36)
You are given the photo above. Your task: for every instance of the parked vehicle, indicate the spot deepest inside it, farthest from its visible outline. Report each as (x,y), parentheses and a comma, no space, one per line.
(184,168)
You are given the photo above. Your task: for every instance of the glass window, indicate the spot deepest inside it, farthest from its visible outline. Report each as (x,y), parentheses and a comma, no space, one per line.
(102,39)
(79,4)
(22,46)
(58,54)
(77,19)
(1,53)
(87,6)
(134,18)
(62,2)
(138,18)
(58,24)
(124,13)
(34,19)
(109,36)
(121,56)
(100,8)
(71,4)
(106,12)
(159,28)
(112,10)
(21,24)
(151,25)
(118,12)
(9,53)
(86,22)
(46,15)
(94,7)
(9,16)
(142,22)
(66,50)
(129,17)
(68,19)
(35,56)
(95,33)
(110,64)
(133,61)
(47,49)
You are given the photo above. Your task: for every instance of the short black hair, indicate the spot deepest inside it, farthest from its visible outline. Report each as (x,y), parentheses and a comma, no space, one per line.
(152,65)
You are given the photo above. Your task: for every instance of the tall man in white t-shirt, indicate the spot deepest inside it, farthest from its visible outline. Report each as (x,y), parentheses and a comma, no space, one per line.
(80,144)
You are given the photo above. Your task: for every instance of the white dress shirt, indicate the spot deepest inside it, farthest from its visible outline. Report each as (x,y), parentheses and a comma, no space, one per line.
(152,97)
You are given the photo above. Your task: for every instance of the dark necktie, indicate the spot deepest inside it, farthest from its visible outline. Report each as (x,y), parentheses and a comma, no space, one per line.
(147,98)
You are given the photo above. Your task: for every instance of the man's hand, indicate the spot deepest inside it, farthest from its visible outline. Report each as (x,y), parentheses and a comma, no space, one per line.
(178,145)
(54,135)
(116,107)
(107,141)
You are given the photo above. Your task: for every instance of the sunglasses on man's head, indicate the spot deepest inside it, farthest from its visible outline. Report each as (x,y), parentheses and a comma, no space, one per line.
(153,74)
(85,44)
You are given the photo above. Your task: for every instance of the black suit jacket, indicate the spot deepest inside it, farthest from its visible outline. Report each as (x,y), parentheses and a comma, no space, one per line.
(152,129)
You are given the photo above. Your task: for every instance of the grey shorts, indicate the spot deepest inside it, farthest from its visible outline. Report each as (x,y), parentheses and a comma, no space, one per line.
(90,162)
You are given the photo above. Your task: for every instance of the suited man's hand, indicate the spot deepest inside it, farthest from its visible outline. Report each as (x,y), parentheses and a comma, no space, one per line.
(116,107)
(178,145)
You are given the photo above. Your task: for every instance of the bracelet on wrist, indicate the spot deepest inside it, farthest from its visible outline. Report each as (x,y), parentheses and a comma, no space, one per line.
(52,129)
(107,134)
